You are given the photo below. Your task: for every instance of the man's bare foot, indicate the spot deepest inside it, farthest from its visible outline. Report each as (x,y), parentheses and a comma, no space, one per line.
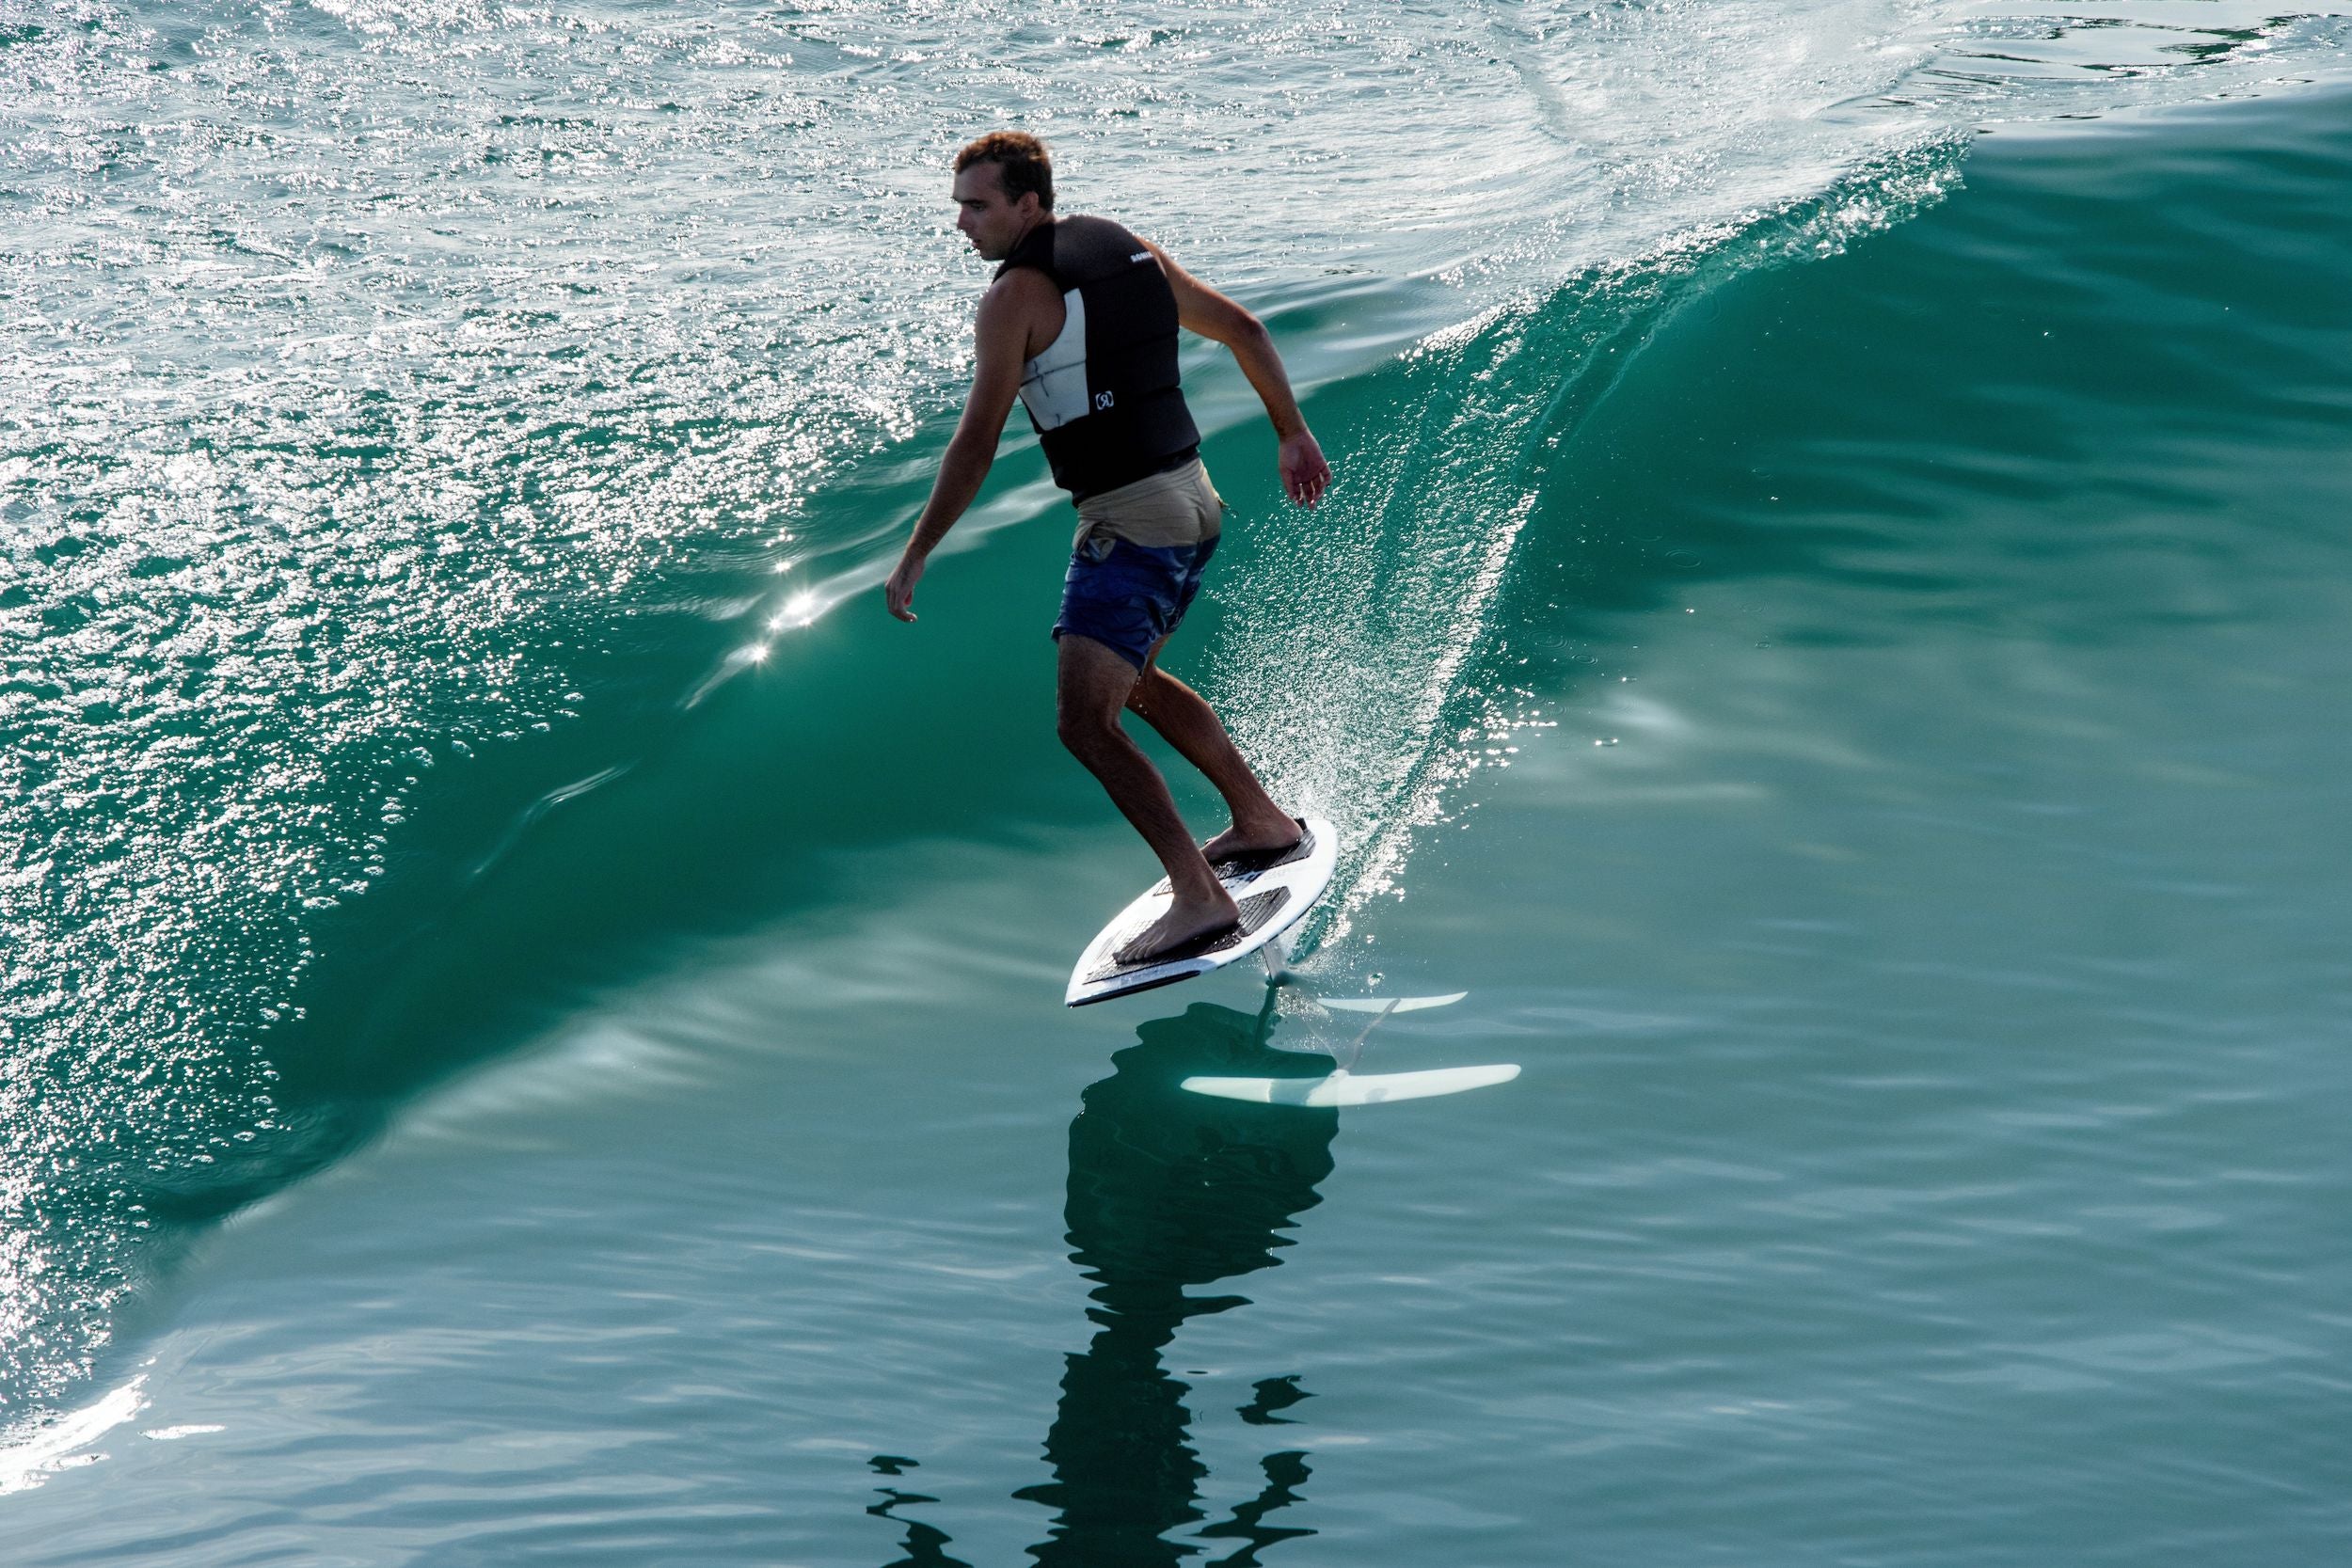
(1187,918)
(1255,838)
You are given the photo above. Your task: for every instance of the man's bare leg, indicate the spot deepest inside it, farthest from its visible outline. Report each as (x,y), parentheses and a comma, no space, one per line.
(1091,686)
(1186,721)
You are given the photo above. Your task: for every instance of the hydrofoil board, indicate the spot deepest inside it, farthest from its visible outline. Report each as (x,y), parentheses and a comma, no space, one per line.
(1343,1088)
(1274,890)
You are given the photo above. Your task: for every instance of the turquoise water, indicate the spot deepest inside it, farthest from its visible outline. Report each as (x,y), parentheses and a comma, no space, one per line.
(1829,631)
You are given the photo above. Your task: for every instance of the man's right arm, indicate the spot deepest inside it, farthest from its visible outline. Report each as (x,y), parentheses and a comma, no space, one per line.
(1001,336)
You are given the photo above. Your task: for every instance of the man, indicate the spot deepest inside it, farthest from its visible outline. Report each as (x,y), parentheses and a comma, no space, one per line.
(1080,322)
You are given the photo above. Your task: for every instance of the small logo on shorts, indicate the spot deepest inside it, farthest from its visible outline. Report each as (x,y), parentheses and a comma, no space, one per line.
(1102,400)
(1140,256)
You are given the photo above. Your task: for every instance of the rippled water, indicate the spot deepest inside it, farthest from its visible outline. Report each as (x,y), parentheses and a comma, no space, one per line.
(1826,629)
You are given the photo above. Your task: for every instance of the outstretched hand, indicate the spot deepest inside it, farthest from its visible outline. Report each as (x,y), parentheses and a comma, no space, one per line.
(1305,474)
(898,592)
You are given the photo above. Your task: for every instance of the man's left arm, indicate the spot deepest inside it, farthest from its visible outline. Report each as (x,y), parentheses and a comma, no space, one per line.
(1202,309)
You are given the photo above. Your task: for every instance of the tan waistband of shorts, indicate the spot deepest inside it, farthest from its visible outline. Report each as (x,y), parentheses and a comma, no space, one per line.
(1179,507)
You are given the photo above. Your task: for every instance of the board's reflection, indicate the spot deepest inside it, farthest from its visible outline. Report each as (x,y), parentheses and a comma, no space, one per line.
(1169,1193)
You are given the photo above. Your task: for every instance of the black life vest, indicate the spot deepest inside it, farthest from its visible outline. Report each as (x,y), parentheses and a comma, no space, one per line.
(1104,395)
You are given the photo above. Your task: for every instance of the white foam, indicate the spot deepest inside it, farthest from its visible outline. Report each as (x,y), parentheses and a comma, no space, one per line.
(57,1444)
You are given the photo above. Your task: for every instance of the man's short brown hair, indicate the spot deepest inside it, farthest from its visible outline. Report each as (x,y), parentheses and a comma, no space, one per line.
(1022,162)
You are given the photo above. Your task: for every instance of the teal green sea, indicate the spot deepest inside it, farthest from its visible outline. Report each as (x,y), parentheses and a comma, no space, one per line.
(529,1022)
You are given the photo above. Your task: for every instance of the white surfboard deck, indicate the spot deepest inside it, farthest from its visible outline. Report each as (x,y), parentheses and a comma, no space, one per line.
(1343,1088)
(1275,893)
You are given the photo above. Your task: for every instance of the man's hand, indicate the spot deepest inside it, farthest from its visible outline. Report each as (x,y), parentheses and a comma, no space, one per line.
(1305,474)
(898,592)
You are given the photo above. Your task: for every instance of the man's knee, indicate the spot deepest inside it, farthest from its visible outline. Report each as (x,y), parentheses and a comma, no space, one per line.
(1083,729)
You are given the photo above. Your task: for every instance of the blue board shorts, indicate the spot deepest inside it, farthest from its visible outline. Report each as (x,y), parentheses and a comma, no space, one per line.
(1127,596)
(1137,559)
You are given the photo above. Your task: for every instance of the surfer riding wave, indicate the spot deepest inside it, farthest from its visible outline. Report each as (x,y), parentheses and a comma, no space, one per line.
(1080,322)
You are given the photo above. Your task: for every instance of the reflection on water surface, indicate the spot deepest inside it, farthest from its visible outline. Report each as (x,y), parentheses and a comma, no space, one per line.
(1169,1193)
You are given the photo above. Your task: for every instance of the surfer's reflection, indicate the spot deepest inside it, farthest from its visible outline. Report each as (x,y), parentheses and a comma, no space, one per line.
(925,1547)
(1170,1191)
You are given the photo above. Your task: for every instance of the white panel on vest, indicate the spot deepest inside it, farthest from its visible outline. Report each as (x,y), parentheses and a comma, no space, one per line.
(1054,388)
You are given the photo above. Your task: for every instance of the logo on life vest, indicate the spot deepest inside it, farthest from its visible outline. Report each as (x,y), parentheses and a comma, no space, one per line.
(1102,400)
(1140,256)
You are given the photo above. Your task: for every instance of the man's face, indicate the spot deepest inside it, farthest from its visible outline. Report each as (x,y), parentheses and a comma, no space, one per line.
(993,223)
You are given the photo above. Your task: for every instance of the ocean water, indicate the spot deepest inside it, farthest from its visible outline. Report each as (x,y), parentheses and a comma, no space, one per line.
(529,1008)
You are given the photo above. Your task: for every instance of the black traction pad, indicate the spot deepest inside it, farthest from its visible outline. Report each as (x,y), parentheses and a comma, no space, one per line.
(1256,910)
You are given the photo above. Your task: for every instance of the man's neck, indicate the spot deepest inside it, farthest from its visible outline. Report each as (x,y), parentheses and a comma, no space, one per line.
(1023,238)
